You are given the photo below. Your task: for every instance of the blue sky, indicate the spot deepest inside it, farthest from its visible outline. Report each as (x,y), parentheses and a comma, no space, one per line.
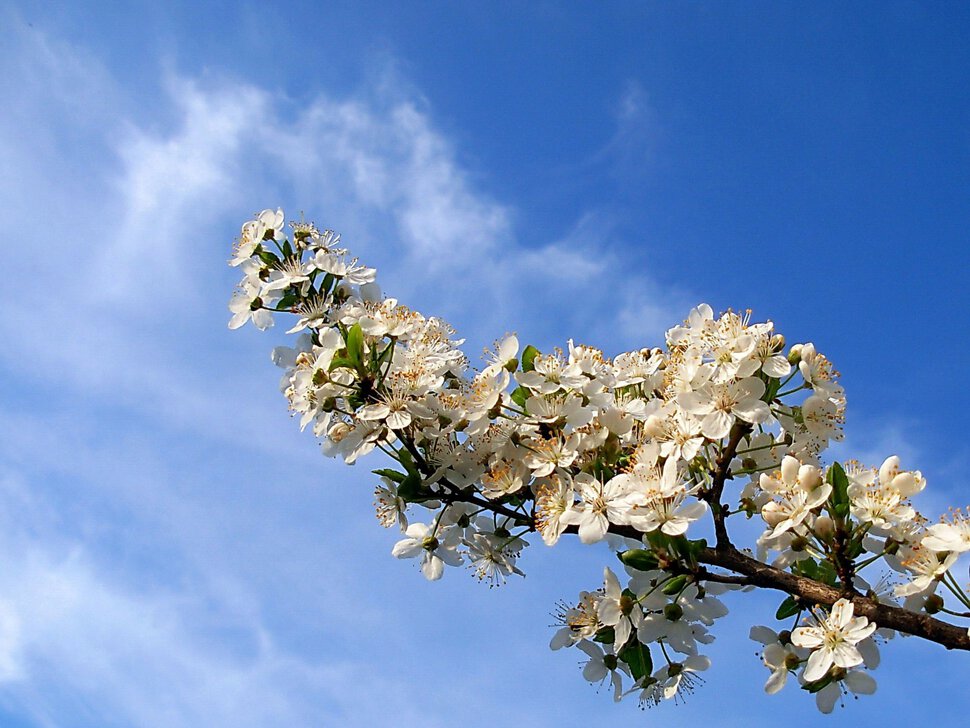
(175,553)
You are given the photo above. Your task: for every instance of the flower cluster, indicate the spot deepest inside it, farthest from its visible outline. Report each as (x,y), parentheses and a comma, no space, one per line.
(642,449)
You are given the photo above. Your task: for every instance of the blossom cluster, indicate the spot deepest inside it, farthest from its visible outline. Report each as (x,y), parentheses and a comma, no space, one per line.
(638,449)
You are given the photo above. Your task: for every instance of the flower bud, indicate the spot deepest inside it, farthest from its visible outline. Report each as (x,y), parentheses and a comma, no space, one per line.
(934,603)
(654,426)
(825,528)
(795,354)
(673,612)
(777,342)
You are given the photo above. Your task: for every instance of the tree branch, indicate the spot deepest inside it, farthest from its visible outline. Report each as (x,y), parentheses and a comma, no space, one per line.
(723,462)
(813,592)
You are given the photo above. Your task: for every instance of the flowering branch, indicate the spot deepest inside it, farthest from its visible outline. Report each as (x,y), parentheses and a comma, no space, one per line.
(635,450)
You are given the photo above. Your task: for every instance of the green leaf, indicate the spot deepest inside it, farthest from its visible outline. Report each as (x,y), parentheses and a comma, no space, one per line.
(287,301)
(606,636)
(410,488)
(788,608)
(528,358)
(815,686)
(355,345)
(268,257)
(637,656)
(341,361)
(287,249)
(839,500)
(639,559)
(408,462)
(520,395)
(327,284)
(386,355)
(390,474)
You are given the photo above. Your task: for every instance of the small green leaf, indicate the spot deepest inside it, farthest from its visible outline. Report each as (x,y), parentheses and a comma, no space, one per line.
(815,686)
(355,345)
(410,487)
(788,608)
(287,301)
(408,462)
(606,636)
(268,257)
(529,357)
(341,362)
(327,284)
(386,355)
(390,474)
(520,395)
(839,500)
(637,656)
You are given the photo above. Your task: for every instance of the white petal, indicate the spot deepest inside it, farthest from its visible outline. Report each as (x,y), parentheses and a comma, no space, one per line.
(819,663)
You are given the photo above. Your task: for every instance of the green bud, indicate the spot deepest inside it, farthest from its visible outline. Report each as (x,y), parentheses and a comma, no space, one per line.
(674,585)
(934,603)
(673,612)
(785,636)
(639,559)
(795,354)
(777,342)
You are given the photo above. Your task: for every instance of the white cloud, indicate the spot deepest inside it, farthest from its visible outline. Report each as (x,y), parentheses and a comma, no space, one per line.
(124,356)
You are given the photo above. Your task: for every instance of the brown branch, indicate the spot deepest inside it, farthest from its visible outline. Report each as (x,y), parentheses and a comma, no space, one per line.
(813,592)
(755,573)
(723,463)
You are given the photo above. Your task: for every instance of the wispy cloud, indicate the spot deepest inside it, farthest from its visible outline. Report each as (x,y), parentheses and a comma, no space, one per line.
(144,439)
